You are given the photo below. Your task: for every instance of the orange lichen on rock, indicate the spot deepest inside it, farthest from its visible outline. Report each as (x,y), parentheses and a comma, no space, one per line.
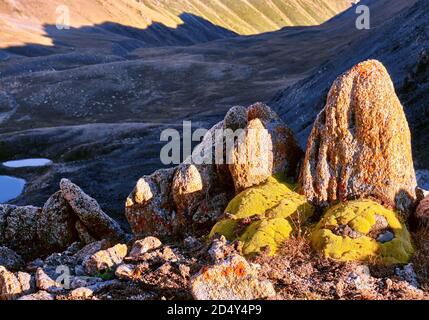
(360,145)
(230,279)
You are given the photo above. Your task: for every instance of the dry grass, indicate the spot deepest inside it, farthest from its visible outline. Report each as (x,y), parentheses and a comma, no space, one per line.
(300,273)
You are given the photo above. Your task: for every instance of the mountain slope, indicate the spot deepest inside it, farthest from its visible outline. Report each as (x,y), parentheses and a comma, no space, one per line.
(402,44)
(164,22)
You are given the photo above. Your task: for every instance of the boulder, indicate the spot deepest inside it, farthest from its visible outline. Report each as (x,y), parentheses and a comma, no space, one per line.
(231,279)
(422,213)
(10,259)
(105,260)
(149,207)
(56,224)
(18,229)
(46,283)
(142,246)
(14,285)
(263,217)
(355,231)
(265,147)
(360,145)
(192,197)
(97,222)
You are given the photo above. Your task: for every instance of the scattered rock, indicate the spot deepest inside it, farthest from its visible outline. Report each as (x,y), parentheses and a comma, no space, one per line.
(140,247)
(82,281)
(46,283)
(126,271)
(12,286)
(81,293)
(231,279)
(361,216)
(10,259)
(98,223)
(106,260)
(90,291)
(38,296)
(90,249)
(408,274)
(360,145)
(220,249)
(192,243)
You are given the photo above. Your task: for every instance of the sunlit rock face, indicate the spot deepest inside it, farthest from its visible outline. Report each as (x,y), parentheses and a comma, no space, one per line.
(360,145)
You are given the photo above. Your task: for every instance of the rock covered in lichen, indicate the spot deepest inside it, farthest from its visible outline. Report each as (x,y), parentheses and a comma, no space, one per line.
(230,279)
(262,217)
(264,148)
(356,230)
(360,144)
(149,208)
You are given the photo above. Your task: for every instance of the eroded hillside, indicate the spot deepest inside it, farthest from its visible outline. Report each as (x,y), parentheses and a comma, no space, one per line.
(155,22)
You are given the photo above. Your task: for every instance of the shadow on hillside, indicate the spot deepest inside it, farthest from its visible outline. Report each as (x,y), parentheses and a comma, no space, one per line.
(117,39)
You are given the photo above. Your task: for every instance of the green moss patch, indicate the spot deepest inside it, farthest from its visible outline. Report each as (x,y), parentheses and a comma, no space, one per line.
(264,216)
(360,242)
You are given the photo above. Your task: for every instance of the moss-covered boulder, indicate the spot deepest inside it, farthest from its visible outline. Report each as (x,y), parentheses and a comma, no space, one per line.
(363,230)
(264,216)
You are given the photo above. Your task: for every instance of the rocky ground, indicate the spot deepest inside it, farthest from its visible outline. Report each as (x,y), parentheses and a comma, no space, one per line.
(56,97)
(343,220)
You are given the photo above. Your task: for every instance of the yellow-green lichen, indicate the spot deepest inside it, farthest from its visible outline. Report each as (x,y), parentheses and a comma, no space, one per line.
(271,209)
(360,216)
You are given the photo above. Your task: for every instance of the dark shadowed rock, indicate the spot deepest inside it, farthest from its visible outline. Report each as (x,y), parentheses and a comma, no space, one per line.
(98,223)
(18,229)
(360,145)
(10,259)
(422,213)
(56,224)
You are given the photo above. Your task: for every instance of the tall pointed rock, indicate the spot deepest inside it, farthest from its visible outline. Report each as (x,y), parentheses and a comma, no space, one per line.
(360,145)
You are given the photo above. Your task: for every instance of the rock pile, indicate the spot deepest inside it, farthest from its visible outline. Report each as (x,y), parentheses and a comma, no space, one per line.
(193,196)
(358,166)
(68,216)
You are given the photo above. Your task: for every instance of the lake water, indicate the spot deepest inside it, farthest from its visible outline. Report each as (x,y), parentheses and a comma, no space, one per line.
(37,162)
(10,188)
